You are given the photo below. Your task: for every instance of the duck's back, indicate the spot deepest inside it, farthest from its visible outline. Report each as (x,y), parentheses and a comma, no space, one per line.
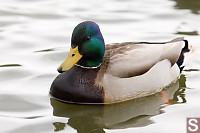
(131,59)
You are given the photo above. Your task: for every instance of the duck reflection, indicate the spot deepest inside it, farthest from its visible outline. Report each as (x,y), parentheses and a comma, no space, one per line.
(133,113)
(193,5)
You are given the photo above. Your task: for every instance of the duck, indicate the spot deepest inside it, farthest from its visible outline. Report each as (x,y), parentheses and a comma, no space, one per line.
(95,73)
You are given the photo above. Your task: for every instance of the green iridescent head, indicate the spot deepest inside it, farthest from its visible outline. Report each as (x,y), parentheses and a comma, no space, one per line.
(87,47)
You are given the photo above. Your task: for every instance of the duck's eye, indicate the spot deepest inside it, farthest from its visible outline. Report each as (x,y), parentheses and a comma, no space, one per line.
(73,55)
(88,38)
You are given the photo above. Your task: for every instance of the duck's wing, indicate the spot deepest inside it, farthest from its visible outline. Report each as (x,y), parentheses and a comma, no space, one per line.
(136,58)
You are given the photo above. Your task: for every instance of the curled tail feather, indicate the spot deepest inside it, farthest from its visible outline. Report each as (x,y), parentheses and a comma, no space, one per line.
(186,55)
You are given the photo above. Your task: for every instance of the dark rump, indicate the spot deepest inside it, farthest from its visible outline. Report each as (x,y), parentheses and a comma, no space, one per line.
(181,57)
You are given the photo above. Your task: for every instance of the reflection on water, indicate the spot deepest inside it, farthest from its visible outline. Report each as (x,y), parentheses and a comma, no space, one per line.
(188,33)
(59,126)
(193,5)
(10,65)
(45,50)
(133,113)
(179,95)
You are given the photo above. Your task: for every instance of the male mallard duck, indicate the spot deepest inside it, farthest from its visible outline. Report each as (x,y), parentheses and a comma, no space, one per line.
(97,73)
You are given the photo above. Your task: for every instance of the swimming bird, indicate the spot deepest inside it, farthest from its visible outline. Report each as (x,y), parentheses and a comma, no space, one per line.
(95,73)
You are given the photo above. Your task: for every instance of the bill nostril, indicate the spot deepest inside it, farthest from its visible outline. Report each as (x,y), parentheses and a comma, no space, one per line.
(60,70)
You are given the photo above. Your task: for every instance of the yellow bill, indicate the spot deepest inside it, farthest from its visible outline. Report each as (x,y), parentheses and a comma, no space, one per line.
(73,57)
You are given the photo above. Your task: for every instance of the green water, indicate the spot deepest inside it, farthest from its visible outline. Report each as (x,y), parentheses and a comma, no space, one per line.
(35,39)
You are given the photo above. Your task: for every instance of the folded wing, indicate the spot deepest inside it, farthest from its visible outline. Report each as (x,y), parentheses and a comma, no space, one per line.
(136,58)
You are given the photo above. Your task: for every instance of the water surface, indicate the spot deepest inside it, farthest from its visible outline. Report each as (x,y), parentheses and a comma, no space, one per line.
(35,39)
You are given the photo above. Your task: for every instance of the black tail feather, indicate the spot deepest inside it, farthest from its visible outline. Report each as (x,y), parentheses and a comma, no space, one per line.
(181,57)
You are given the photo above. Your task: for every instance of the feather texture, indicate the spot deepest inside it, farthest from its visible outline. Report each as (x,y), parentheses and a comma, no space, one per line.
(132,59)
(135,69)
